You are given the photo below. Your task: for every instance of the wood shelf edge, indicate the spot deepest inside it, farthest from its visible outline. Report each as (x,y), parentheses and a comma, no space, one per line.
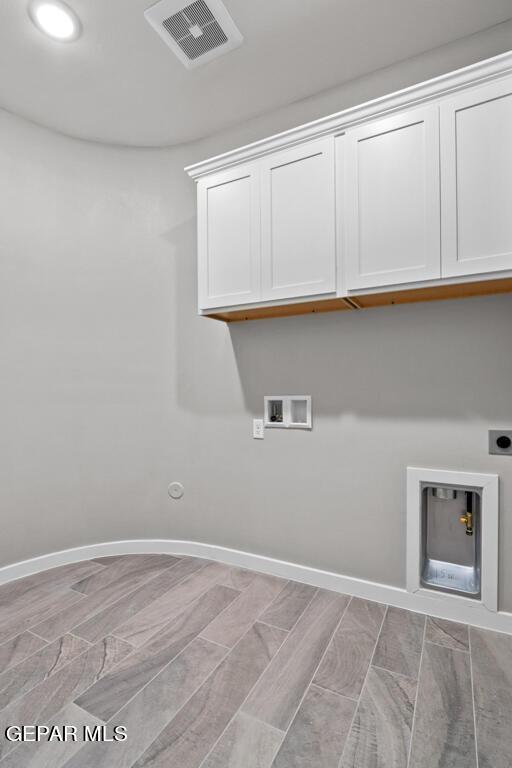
(435,293)
(282,310)
(367,301)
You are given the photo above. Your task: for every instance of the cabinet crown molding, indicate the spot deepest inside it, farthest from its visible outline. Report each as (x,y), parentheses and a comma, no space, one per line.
(479,73)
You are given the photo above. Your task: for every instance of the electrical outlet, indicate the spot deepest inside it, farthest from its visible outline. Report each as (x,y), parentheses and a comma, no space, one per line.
(257,429)
(500,442)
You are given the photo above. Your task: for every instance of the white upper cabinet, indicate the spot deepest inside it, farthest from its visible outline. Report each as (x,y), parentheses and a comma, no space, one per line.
(298,221)
(229,238)
(412,190)
(391,218)
(476,176)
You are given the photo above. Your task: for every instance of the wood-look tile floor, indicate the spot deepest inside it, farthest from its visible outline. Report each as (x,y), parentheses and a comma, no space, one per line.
(211,666)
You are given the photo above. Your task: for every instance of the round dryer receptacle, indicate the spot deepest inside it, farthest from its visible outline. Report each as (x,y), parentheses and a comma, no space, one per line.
(504,442)
(175,490)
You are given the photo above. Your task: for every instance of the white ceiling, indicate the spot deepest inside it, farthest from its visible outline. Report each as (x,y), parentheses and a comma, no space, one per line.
(119,82)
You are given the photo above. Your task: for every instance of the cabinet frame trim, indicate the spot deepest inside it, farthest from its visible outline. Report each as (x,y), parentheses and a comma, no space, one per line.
(354,278)
(451,266)
(247,171)
(324,149)
(480,73)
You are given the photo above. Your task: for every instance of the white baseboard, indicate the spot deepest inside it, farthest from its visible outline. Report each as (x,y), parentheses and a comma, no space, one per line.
(433,603)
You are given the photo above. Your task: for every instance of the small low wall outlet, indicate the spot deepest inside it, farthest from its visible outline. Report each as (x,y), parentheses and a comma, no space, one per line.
(258,430)
(287,411)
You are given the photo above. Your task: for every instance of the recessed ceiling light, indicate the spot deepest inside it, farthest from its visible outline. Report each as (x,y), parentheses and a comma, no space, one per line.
(55,19)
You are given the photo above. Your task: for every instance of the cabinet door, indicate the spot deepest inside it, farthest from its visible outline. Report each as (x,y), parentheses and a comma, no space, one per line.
(298,221)
(476,174)
(229,238)
(391,200)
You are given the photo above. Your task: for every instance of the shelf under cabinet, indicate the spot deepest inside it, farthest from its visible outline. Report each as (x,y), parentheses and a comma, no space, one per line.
(367,301)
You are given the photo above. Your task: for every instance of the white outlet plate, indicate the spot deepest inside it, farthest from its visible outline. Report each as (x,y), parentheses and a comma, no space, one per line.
(258,430)
(494,447)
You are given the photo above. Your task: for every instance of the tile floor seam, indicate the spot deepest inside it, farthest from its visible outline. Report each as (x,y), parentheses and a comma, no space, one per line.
(241,592)
(30,654)
(48,677)
(134,650)
(417,692)
(256,619)
(112,634)
(87,650)
(104,722)
(196,689)
(289,631)
(123,597)
(103,565)
(448,647)
(148,682)
(255,717)
(83,639)
(51,614)
(363,686)
(273,626)
(329,690)
(49,588)
(473,696)
(120,576)
(258,719)
(25,631)
(327,646)
(214,642)
(153,636)
(201,764)
(393,672)
(198,597)
(40,637)
(138,648)
(285,584)
(41,682)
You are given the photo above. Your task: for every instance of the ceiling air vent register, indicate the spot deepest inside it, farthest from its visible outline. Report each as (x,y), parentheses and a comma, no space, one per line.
(198,32)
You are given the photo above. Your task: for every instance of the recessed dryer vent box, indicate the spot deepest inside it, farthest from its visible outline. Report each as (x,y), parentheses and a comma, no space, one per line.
(288,411)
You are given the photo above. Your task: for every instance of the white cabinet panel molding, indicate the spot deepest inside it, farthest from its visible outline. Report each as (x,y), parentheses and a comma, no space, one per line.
(476,173)
(391,200)
(229,238)
(298,221)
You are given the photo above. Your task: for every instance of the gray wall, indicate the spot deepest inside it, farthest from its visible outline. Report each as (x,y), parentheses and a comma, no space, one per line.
(111,386)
